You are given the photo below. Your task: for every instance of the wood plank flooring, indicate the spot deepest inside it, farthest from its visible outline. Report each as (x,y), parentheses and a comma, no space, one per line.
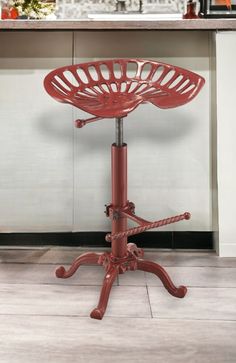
(45,319)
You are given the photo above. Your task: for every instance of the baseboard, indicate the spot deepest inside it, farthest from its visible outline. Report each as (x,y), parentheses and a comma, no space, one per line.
(227,250)
(180,240)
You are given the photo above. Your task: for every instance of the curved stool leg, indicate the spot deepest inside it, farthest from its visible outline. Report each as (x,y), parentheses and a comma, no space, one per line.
(153,267)
(85,258)
(109,278)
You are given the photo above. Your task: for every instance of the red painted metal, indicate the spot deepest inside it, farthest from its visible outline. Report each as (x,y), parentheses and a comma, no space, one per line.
(149,266)
(84,259)
(119,197)
(107,89)
(97,88)
(81,123)
(146,226)
(109,278)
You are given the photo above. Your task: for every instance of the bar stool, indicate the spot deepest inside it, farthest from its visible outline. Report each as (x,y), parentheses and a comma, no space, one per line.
(105,89)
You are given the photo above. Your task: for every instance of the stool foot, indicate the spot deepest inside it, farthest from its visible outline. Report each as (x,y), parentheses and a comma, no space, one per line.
(109,278)
(84,259)
(149,266)
(97,314)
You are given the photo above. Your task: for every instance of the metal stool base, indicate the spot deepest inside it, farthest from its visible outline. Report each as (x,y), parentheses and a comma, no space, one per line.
(114,266)
(123,256)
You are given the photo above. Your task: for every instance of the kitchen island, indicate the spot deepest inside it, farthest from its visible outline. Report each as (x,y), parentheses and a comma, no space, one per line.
(45,163)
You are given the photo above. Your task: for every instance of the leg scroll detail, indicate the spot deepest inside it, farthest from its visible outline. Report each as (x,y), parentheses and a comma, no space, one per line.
(159,271)
(109,278)
(85,258)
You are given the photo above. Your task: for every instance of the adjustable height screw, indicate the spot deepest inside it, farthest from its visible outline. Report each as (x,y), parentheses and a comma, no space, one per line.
(119,131)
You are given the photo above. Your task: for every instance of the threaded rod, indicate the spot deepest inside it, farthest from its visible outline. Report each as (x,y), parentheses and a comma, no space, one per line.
(119,131)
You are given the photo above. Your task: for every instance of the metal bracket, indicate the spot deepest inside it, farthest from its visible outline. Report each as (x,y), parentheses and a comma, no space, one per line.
(111,212)
(116,213)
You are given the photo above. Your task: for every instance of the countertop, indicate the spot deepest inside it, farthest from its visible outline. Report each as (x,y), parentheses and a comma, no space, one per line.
(86,24)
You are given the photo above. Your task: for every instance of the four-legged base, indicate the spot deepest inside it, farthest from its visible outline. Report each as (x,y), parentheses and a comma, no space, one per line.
(113,266)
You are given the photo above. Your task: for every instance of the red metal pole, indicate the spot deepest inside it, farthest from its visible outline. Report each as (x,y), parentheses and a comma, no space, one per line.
(119,197)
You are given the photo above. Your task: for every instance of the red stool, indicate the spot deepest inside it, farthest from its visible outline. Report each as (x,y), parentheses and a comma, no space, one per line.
(105,90)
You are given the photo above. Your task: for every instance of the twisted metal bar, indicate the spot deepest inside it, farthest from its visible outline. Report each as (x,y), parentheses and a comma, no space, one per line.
(140,229)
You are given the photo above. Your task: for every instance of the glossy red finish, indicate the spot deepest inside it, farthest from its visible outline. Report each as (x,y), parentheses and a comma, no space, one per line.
(119,197)
(113,266)
(145,226)
(84,259)
(106,89)
(149,266)
(114,88)
(109,278)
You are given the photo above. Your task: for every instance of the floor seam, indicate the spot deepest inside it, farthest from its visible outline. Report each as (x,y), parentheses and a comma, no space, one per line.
(149,302)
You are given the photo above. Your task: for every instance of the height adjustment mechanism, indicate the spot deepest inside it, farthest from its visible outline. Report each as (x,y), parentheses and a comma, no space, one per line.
(80,123)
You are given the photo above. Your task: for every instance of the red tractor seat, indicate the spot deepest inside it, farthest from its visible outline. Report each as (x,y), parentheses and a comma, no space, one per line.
(105,88)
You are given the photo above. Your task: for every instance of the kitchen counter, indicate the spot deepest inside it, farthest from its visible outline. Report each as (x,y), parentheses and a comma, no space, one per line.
(198,172)
(86,24)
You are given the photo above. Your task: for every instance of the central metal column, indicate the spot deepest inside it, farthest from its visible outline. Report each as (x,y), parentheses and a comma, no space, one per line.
(119,190)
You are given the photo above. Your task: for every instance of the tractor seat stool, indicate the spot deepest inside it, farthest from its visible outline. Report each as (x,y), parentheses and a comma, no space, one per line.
(106,89)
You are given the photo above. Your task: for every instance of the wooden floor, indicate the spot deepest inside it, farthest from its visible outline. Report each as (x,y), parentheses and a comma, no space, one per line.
(45,319)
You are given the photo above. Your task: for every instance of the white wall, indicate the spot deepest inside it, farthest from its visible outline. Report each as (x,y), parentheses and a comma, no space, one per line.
(226,145)
(55,177)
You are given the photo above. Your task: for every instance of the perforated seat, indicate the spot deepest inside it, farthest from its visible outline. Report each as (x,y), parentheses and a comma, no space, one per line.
(106,88)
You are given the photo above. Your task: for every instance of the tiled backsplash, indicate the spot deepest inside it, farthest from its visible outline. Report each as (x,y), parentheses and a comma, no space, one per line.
(79,8)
